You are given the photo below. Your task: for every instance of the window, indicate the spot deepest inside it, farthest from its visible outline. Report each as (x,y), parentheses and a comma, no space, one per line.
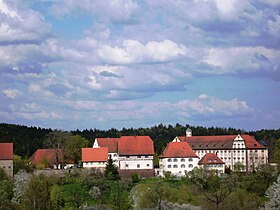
(190,165)
(183,166)
(175,166)
(126,165)
(110,156)
(175,160)
(115,155)
(169,160)
(138,165)
(138,156)
(169,166)
(182,160)
(127,156)
(148,165)
(190,159)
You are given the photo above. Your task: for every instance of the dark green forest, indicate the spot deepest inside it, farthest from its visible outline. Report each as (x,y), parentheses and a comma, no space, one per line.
(28,139)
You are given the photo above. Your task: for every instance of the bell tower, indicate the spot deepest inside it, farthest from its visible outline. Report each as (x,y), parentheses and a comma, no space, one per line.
(188,132)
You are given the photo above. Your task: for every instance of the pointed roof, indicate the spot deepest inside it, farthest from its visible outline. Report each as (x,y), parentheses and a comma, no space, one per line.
(135,145)
(210,158)
(95,154)
(51,155)
(220,142)
(110,143)
(178,150)
(6,151)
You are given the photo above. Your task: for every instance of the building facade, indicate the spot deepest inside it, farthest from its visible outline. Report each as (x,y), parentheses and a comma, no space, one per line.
(211,161)
(95,157)
(178,158)
(129,153)
(6,157)
(231,149)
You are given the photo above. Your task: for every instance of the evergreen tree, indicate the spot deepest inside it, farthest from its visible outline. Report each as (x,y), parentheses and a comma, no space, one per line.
(111,171)
(273,194)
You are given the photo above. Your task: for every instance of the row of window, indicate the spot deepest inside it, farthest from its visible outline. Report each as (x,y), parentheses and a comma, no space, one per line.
(225,151)
(138,165)
(182,166)
(8,167)
(176,160)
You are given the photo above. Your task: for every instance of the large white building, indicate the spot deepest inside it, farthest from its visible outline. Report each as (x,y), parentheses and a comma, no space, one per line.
(231,149)
(177,159)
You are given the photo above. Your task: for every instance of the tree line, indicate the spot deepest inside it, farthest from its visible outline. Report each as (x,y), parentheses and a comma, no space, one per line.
(28,139)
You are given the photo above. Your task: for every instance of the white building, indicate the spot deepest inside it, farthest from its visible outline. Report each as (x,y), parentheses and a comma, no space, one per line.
(231,149)
(211,161)
(129,153)
(95,157)
(177,158)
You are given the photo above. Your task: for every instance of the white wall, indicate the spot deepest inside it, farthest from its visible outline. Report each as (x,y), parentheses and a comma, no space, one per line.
(136,162)
(94,164)
(177,166)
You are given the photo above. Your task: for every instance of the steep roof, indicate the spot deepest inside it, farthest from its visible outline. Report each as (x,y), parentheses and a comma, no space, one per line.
(135,145)
(94,154)
(51,155)
(210,158)
(111,143)
(252,143)
(6,151)
(178,150)
(219,142)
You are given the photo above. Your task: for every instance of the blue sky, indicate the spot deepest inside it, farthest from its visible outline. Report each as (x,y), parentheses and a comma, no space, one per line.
(100,64)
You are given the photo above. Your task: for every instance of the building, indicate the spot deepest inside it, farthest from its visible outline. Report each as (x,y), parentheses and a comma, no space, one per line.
(211,161)
(50,158)
(231,149)
(131,154)
(6,157)
(177,158)
(111,144)
(95,157)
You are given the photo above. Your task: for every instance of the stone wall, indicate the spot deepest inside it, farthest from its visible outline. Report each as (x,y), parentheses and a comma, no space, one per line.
(7,165)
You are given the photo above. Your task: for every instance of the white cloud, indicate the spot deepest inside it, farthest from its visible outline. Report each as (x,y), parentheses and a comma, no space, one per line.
(4,8)
(134,51)
(12,93)
(244,59)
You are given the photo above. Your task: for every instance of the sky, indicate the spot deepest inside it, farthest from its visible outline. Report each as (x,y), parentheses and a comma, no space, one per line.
(71,64)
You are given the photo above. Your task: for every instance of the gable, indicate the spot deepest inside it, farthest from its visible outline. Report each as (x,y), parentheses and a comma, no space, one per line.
(178,150)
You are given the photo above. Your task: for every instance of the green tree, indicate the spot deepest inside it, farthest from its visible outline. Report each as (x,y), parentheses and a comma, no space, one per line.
(57,198)
(214,188)
(6,190)
(111,171)
(73,148)
(57,140)
(75,194)
(38,194)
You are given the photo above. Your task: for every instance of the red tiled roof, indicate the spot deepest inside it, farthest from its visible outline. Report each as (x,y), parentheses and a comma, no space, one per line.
(94,154)
(111,143)
(210,158)
(252,143)
(135,145)
(50,154)
(219,142)
(178,149)
(6,151)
